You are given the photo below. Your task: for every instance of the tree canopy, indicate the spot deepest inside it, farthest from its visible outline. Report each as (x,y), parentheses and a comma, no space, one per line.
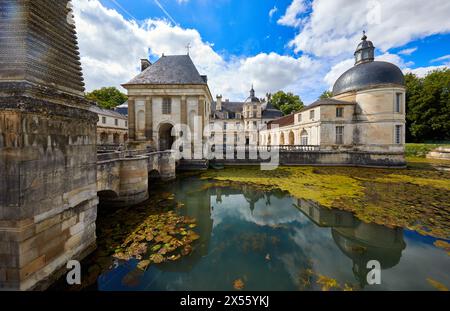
(326,94)
(286,102)
(428,106)
(107,97)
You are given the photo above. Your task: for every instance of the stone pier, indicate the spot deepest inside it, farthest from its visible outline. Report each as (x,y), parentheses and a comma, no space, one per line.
(48,195)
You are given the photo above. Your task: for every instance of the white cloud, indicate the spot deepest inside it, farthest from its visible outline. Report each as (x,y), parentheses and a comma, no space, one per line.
(439,59)
(112,46)
(291,17)
(333,27)
(407,51)
(423,71)
(273,11)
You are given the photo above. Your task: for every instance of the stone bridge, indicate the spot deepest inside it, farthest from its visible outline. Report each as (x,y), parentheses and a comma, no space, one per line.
(123,176)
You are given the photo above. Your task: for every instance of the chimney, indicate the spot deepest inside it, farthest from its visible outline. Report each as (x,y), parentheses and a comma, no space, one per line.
(145,63)
(219,103)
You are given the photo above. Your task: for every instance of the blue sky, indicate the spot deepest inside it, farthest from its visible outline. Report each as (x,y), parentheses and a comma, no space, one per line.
(303,46)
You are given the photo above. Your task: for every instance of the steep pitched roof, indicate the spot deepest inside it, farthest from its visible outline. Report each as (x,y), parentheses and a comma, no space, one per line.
(171,69)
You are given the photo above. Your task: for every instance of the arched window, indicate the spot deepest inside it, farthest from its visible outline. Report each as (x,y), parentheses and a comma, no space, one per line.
(291,138)
(304,138)
(281,138)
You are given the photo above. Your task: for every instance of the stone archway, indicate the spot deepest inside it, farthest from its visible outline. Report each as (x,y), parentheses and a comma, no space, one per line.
(291,138)
(116,138)
(165,137)
(281,142)
(103,138)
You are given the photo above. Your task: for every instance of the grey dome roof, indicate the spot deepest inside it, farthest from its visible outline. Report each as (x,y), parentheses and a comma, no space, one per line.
(367,75)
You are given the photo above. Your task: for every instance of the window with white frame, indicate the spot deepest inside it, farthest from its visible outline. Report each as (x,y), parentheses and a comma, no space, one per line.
(339,135)
(167,106)
(398,134)
(398,102)
(104,120)
(304,138)
(311,114)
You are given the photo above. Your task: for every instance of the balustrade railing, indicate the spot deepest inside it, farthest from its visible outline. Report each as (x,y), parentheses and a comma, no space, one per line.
(302,148)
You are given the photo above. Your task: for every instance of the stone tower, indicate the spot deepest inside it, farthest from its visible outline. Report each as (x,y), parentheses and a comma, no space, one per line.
(48,200)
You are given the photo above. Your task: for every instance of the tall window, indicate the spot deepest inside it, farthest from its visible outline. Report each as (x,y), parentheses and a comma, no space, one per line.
(339,112)
(311,114)
(167,106)
(225,126)
(116,122)
(254,115)
(398,102)
(104,120)
(126,124)
(238,125)
(299,118)
(304,138)
(398,134)
(339,135)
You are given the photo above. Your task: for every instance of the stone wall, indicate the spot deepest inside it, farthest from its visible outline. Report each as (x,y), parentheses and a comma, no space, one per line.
(123,177)
(48,196)
(327,158)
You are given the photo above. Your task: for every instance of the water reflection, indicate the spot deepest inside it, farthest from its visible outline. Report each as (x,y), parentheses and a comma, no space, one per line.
(269,239)
(359,241)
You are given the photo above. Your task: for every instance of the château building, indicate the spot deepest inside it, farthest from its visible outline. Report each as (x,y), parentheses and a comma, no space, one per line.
(366,112)
(238,123)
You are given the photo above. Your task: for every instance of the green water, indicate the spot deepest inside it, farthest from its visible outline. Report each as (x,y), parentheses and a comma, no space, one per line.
(271,241)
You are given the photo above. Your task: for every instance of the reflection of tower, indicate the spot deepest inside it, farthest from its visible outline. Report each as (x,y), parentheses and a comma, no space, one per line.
(366,242)
(359,241)
(252,196)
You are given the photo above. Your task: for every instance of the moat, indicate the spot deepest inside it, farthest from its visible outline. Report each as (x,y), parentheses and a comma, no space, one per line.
(248,237)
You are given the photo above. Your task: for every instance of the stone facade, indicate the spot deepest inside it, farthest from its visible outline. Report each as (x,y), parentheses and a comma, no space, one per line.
(363,116)
(48,195)
(238,123)
(112,127)
(160,104)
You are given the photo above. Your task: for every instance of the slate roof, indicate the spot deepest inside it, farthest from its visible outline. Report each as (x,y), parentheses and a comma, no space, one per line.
(326,101)
(270,112)
(107,112)
(170,69)
(283,121)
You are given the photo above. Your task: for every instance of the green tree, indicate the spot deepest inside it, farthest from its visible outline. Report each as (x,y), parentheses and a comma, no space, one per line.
(286,102)
(107,97)
(428,106)
(326,94)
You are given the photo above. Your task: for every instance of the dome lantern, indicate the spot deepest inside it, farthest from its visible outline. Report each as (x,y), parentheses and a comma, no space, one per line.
(365,52)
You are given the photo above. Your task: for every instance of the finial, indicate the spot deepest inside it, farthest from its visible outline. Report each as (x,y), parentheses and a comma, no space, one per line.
(364,37)
(188,48)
